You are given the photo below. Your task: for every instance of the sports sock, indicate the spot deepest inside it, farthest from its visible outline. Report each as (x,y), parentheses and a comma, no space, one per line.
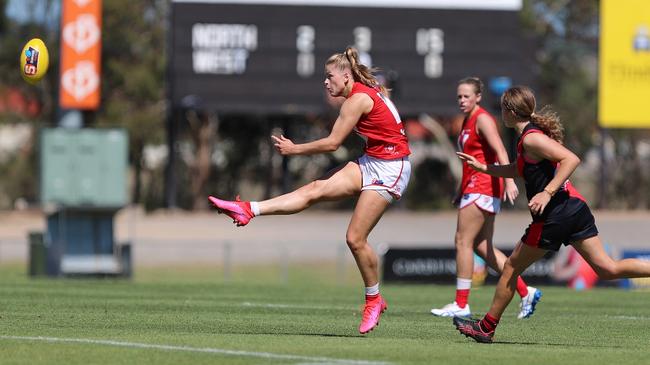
(255,208)
(488,323)
(461,297)
(522,288)
(372,291)
(462,291)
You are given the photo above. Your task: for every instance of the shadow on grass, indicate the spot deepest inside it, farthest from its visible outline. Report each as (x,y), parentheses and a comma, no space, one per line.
(280,333)
(541,343)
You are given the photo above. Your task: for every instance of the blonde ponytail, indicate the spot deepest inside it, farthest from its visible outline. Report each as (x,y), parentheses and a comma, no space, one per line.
(360,72)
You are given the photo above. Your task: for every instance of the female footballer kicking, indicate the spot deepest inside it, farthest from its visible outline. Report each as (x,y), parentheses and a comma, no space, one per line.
(378,177)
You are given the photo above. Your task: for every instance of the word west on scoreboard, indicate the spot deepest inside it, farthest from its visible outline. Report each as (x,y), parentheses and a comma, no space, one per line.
(269,56)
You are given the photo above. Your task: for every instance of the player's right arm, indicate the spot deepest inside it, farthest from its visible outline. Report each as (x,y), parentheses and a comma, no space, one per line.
(351,111)
(488,129)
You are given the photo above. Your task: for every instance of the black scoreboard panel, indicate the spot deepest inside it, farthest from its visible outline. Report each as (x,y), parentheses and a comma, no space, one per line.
(270,58)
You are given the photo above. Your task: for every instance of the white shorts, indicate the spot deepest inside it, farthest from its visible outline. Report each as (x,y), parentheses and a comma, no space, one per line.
(385,176)
(487,203)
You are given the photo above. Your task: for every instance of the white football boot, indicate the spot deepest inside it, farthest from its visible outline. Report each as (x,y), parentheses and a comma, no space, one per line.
(452,310)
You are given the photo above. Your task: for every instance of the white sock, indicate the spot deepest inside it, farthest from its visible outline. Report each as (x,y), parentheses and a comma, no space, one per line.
(463,283)
(372,290)
(255,207)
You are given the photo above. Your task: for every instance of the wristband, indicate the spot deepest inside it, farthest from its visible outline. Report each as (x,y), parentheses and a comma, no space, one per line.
(551,193)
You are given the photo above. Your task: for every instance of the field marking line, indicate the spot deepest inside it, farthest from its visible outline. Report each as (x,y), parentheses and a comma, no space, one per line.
(265,355)
(293,306)
(633,318)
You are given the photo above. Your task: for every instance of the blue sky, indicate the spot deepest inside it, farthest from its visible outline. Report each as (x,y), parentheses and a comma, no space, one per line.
(36,10)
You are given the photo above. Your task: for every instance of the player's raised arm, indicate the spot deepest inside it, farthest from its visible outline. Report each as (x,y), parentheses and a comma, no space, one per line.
(351,111)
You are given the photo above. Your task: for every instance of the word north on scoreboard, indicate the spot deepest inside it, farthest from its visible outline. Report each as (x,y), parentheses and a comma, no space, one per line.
(269,56)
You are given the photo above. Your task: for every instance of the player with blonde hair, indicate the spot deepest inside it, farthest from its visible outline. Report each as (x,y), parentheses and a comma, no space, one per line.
(378,177)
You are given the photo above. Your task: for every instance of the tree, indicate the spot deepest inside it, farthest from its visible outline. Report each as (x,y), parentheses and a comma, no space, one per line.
(133,69)
(25,104)
(567,57)
(567,60)
(133,94)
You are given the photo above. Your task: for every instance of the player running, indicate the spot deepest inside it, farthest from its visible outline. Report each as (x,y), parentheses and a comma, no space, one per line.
(560,214)
(479,200)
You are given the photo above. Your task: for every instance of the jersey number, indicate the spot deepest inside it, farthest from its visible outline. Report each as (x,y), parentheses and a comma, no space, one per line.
(391,107)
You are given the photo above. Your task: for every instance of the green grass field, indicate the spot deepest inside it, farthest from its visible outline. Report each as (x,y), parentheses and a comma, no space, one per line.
(191,316)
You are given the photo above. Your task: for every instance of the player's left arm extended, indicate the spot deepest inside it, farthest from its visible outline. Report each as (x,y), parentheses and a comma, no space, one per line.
(351,111)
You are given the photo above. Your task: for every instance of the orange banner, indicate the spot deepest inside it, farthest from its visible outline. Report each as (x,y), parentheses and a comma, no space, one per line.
(80,54)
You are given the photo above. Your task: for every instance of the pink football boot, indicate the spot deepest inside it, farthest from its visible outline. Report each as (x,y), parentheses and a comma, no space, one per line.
(371,313)
(239,211)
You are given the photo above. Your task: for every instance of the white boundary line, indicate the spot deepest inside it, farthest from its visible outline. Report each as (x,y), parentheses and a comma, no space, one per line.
(633,318)
(210,350)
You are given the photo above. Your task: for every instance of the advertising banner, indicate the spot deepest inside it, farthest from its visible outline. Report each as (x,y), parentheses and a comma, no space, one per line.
(438,266)
(624,68)
(80,54)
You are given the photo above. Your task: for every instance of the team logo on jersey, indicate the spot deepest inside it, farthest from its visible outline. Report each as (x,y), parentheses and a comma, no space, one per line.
(472,181)
(389,149)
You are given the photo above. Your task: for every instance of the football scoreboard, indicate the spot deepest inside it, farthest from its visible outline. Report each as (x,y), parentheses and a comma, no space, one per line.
(268,56)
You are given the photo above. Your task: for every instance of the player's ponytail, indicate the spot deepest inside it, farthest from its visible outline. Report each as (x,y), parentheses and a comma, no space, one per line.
(360,72)
(521,101)
(549,122)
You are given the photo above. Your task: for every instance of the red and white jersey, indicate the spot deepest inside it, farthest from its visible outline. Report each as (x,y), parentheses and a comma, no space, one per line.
(470,142)
(382,128)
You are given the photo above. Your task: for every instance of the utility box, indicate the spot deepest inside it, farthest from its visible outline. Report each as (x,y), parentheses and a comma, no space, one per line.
(83,184)
(84,167)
